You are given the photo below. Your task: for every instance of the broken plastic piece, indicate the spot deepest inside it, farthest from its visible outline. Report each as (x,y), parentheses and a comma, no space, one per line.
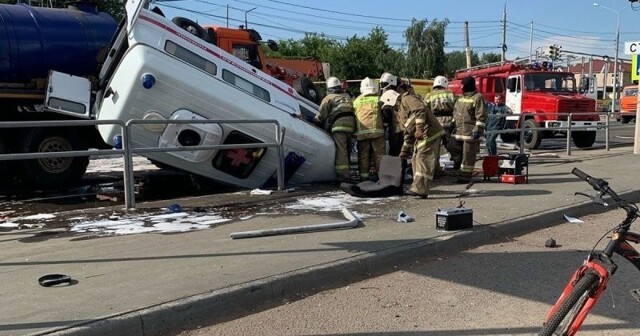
(572,219)
(260,192)
(174,208)
(404,217)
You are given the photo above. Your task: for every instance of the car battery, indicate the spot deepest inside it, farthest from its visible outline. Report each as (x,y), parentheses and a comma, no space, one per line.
(454,219)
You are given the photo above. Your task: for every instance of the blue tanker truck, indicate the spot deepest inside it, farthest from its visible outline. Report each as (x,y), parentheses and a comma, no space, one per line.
(33,42)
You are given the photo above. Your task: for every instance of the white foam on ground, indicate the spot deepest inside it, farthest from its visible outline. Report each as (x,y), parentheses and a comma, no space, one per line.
(165,223)
(335,201)
(9,225)
(38,216)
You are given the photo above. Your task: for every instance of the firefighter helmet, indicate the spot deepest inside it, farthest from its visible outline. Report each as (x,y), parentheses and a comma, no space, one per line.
(368,86)
(389,98)
(441,81)
(388,79)
(334,85)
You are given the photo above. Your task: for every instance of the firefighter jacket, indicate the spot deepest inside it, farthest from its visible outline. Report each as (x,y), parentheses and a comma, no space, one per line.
(419,117)
(441,102)
(336,113)
(469,114)
(368,117)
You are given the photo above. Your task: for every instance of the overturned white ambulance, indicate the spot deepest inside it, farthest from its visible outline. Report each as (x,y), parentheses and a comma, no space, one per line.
(155,70)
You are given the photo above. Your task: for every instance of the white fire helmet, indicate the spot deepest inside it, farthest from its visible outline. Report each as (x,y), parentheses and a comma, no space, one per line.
(441,81)
(333,82)
(389,98)
(388,79)
(368,86)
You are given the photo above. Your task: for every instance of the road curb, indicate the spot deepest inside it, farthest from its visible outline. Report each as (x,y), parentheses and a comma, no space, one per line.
(242,299)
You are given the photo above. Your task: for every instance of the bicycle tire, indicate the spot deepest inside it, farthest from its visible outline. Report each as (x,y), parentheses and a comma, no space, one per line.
(571,306)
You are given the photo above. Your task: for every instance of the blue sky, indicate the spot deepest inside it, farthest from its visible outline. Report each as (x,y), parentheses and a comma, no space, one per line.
(576,25)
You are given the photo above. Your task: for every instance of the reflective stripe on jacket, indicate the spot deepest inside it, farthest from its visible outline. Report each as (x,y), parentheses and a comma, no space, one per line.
(470,114)
(368,117)
(441,102)
(336,113)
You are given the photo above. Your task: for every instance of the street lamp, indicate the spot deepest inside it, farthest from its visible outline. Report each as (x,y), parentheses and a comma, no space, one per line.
(246,25)
(615,62)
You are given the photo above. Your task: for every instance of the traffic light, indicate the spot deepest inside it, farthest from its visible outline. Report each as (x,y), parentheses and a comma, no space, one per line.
(554,51)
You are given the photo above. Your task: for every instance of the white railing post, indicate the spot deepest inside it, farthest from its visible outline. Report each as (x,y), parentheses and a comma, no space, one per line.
(569,134)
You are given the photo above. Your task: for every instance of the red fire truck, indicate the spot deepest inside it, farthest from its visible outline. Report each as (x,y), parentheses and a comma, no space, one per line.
(544,96)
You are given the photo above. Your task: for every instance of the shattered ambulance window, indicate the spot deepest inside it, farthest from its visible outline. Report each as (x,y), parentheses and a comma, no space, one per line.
(238,162)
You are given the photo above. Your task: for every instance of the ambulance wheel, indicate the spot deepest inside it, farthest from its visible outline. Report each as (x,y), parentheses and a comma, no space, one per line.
(532,138)
(56,172)
(583,139)
(305,87)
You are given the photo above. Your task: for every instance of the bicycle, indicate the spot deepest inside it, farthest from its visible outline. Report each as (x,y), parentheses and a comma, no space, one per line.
(588,283)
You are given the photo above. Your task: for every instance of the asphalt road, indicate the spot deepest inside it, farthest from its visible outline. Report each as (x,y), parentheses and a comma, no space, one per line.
(620,134)
(505,288)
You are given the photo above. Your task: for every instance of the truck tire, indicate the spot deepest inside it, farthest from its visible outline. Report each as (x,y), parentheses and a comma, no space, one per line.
(305,87)
(52,173)
(191,27)
(532,139)
(583,139)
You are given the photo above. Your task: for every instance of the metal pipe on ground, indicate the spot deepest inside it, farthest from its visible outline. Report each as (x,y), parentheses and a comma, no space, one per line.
(352,222)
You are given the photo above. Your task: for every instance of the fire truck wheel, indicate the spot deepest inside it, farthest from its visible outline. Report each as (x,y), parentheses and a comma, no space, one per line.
(532,139)
(52,173)
(305,87)
(506,137)
(583,139)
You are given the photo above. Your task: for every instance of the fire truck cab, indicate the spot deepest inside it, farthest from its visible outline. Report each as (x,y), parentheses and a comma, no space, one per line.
(539,98)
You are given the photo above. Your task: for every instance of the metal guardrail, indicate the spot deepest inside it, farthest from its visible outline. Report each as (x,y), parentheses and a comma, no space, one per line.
(569,128)
(128,151)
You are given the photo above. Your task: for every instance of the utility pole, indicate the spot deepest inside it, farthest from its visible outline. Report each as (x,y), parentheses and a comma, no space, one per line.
(467,48)
(504,33)
(530,44)
(227,15)
(246,24)
(605,68)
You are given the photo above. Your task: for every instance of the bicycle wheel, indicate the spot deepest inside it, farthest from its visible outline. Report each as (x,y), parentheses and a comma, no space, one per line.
(565,315)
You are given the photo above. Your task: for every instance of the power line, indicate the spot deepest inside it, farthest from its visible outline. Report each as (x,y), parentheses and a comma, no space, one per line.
(555,34)
(338,12)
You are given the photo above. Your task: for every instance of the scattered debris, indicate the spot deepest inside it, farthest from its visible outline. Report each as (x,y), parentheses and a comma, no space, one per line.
(352,222)
(404,218)
(550,242)
(260,192)
(174,208)
(572,219)
(54,279)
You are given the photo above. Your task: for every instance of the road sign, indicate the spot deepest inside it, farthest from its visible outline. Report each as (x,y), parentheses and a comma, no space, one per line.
(632,48)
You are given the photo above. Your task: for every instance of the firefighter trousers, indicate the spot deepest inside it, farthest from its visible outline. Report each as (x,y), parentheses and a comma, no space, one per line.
(365,149)
(423,167)
(445,121)
(341,140)
(466,152)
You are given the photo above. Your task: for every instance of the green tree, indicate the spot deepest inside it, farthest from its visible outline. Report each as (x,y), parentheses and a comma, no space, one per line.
(425,48)
(491,57)
(457,60)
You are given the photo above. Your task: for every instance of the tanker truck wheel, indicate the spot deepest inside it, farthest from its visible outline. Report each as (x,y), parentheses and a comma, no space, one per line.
(305,87)
(51,173)
(583,139)
(532,139)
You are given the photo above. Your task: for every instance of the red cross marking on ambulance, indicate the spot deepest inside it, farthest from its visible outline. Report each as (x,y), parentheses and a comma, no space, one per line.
(238,157)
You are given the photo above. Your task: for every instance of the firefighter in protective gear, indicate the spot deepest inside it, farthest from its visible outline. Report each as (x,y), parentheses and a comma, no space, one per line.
(470,115)
(391,117)
(369,129)
(422,136)
(338,118)
(441,101)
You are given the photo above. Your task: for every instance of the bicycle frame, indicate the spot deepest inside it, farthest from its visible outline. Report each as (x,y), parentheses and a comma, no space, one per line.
(601,264)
